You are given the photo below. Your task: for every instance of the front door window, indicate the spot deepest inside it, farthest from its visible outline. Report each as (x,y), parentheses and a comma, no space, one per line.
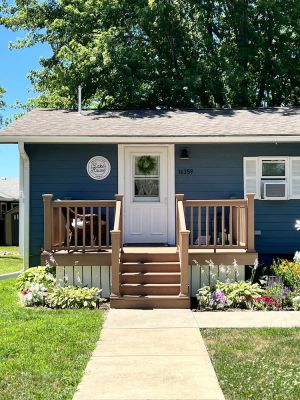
(146,178)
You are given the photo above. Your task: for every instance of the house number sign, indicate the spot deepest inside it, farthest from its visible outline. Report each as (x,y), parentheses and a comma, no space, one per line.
(98,168)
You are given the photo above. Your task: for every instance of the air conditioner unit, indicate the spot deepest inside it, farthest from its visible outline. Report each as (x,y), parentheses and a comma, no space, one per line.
(274,190)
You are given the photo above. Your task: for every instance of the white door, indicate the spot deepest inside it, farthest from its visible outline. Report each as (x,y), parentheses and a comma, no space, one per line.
(146,194)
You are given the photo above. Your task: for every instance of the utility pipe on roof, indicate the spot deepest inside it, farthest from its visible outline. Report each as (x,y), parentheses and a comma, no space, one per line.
(79,99)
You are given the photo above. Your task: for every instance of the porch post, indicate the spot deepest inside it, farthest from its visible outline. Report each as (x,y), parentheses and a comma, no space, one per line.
(184,262)
(119,197)
(115,262)
(47,221)
(179,197)
(250,222)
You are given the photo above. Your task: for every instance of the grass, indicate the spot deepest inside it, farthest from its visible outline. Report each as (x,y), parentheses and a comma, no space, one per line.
(43,352)
(10,262)
(256,363)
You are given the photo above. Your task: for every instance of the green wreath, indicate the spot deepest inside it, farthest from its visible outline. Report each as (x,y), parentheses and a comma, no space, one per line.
(146,164)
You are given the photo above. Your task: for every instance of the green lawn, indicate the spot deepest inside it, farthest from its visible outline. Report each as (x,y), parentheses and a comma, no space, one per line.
(11,262)
(43,352)
(256,363)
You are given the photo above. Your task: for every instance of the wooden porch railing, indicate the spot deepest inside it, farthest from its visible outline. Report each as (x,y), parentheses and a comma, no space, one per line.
(221,224)
(78,225)
(212,224)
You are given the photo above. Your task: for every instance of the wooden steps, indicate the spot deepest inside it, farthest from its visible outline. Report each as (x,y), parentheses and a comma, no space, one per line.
(150,302)
(150,278)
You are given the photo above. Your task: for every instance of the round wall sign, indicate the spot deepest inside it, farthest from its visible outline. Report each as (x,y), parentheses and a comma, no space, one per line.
(98,168)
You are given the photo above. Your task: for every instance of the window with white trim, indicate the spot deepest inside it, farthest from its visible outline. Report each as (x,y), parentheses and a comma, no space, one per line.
(272,178)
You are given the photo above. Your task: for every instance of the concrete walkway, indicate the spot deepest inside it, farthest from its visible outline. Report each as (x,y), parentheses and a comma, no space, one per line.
(150,354)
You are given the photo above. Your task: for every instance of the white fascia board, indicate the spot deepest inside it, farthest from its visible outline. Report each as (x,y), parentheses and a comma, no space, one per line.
(24,205)
(151,139)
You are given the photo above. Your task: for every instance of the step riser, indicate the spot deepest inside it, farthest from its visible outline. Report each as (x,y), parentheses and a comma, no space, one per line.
(155,257)
(149,290)
(149,268)
(148,304)
(142,279)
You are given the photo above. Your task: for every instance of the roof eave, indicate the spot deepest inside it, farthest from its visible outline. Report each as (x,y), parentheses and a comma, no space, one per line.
(152,139)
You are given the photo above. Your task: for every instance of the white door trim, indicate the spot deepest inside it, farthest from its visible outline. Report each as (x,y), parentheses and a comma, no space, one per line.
(170,181)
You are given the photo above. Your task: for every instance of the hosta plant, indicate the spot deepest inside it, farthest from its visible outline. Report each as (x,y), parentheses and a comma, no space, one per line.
(223,295)
(241,294)
(73,297)
(40,275)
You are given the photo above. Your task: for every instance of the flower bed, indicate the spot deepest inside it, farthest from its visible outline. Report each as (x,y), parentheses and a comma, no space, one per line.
(280,291)
(37,287)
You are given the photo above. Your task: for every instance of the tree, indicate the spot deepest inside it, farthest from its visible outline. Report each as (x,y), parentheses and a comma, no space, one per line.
(168,53)
(2,103)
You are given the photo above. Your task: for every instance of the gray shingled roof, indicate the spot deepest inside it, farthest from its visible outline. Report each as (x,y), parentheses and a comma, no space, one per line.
(9,189)
(200,123)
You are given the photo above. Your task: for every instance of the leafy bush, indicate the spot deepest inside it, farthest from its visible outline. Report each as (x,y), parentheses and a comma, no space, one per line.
(240,293)
(73,297)
(236,294)
(288,271)
(40,275)
(296,302)
(282,295)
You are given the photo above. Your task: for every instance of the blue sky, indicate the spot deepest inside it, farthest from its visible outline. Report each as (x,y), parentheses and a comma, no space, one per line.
(14,67)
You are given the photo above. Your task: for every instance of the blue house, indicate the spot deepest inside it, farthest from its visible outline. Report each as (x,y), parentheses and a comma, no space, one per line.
(151,205)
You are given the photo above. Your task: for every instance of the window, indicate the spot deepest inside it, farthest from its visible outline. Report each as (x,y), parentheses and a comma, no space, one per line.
(146,181)
(274,169)
(276,178)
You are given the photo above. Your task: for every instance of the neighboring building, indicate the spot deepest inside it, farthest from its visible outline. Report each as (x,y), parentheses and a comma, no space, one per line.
(215,158)
(9,211)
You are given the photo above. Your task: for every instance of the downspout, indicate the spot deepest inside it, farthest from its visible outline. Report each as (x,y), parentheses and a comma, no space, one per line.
(24,204)
(23,212)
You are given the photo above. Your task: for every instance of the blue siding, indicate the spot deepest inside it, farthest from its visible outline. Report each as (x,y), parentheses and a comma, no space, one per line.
(218,174)
(61,170)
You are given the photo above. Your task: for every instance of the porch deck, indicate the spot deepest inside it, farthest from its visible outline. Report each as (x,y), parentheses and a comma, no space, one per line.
(92,257)
(90,233)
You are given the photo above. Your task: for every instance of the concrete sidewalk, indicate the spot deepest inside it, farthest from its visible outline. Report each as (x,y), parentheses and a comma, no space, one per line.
(150,354)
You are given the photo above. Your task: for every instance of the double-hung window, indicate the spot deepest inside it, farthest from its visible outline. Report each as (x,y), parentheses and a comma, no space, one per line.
(272,178)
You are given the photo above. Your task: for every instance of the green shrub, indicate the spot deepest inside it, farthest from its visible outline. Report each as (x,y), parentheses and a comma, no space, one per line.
(288,271)
(240,293)
(235,295)
(40,275)
(73,297)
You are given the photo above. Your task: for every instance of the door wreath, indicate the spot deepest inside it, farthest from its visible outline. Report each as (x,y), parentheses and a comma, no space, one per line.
(146,164)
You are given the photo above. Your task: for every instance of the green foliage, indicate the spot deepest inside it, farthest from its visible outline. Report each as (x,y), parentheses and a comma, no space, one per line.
(2,103)
(43,352)
(73,297)
(10,260)
(2,92)
(289,272)
(235,294)
(256,363)
(40,275)
(171,53)
(240,293)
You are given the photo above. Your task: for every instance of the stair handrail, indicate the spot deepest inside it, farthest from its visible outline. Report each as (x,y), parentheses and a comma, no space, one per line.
(117,246)
(182,235)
